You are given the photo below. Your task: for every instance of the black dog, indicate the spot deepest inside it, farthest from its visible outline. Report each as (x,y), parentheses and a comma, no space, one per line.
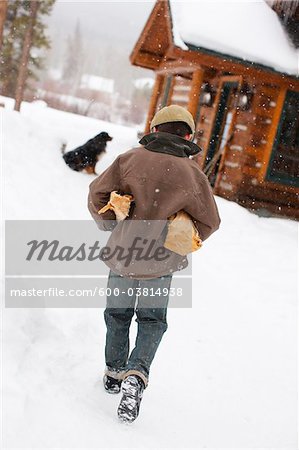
(86,156)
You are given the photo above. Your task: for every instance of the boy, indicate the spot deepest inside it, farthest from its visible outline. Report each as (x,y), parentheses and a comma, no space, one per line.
(162,180)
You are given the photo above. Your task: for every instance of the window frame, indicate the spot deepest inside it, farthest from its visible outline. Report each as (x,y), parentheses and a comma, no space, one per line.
(283,178)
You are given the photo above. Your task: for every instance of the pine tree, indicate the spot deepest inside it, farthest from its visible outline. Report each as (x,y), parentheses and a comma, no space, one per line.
(72,69)
(9,51)
(15,28)
(3,11)
(23,66)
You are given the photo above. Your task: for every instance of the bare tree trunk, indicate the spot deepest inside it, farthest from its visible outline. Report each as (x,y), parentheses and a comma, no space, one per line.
(23,68)
(3,11)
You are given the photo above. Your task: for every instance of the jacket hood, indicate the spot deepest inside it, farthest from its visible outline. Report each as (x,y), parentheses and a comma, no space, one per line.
(169,143)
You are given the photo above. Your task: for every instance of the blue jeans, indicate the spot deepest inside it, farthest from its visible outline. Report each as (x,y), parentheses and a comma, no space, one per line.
(152,299)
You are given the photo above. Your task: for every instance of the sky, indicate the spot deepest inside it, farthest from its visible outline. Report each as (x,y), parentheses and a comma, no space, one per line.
(120,21)
(109,32)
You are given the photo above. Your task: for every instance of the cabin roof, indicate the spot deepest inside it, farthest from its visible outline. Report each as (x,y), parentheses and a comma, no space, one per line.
(250,31)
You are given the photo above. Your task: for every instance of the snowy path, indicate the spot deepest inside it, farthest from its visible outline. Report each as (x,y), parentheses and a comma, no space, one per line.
(225,373)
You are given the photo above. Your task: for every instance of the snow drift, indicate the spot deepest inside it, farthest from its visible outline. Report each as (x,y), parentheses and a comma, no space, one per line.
(224,375)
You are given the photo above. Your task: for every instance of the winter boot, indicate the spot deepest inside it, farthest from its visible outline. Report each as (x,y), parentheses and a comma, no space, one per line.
(132,390)
(111,385)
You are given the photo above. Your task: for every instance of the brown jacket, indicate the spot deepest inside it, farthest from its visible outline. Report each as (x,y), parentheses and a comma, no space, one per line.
(163,180)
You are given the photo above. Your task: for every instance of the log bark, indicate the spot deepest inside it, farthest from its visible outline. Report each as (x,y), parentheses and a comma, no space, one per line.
(197,81)
(153,102)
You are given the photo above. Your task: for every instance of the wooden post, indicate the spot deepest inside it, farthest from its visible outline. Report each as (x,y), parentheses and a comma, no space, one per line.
(197,80)
(23,68)
(170,92)
(153,103)
(3,11)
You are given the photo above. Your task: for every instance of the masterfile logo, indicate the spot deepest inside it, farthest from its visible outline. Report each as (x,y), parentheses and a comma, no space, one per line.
(67,263)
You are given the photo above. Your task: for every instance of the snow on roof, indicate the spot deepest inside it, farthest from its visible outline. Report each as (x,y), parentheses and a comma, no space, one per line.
(97,83)
(249,30)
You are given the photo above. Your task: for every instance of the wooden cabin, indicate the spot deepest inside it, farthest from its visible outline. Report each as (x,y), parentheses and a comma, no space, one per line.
(234,66)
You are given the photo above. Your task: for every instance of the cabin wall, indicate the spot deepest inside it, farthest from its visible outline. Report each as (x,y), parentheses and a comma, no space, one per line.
(241,175)
(256,191)
(248,151)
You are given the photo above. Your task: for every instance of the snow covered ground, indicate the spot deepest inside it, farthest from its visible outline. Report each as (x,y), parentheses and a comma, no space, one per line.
(225,373)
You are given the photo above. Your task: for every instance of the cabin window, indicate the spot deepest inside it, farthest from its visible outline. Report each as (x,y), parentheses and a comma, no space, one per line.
(244,100)
(284,162)
(207,95)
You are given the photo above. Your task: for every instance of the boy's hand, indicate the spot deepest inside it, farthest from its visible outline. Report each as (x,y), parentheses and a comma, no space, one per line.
(119,204)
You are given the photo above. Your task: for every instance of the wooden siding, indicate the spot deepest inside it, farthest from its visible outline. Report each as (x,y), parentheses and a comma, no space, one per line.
(242,169)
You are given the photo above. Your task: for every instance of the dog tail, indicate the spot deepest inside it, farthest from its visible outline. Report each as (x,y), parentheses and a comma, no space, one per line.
(63,147)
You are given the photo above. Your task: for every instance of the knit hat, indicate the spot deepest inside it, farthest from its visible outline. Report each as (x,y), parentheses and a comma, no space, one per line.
(173,113)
